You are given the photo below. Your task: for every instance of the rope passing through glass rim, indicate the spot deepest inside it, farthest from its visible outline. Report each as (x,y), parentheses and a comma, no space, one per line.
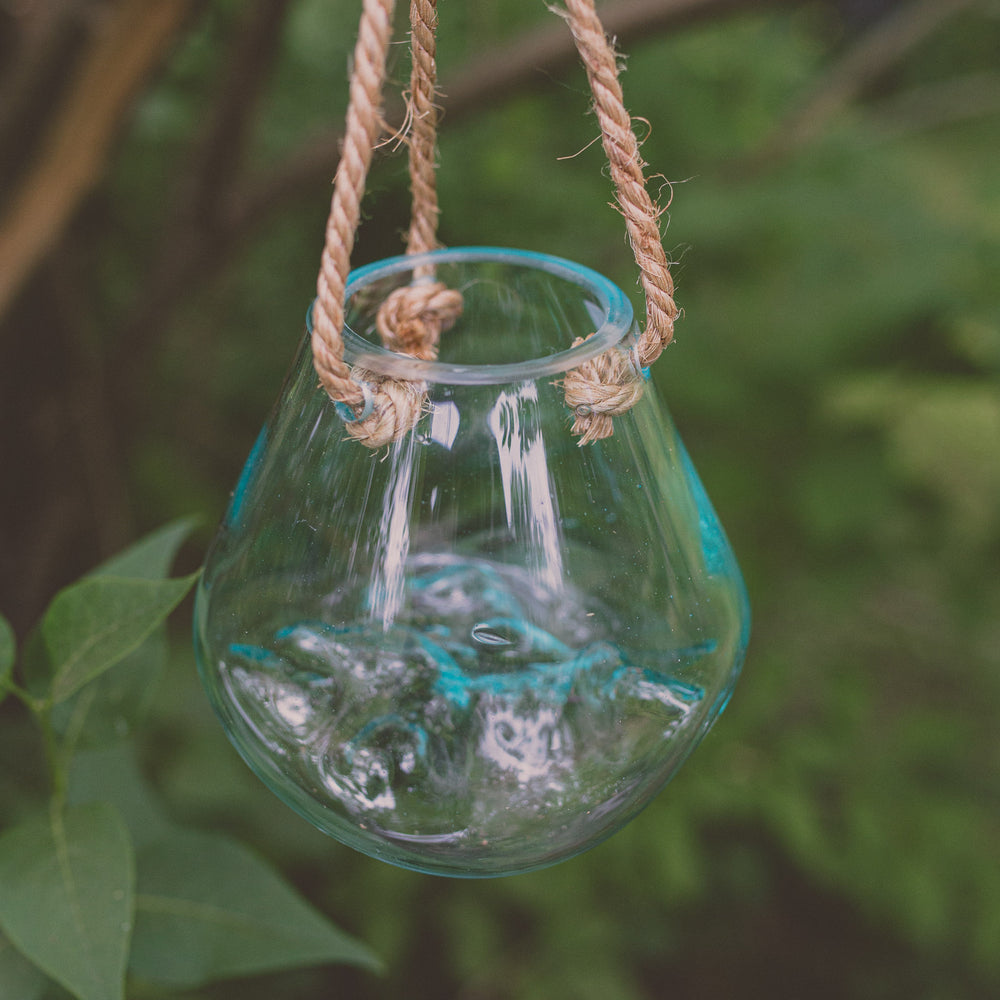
(412,318)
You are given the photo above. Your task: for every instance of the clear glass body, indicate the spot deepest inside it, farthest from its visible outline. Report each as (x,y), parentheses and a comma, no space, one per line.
(483,648)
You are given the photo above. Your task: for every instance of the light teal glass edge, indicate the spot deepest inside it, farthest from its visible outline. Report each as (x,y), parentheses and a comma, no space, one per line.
(619,319)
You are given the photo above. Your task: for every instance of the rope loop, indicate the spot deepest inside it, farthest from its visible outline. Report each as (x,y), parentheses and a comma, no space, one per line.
(377,409)
(600,389)
(621,146)
(398,406)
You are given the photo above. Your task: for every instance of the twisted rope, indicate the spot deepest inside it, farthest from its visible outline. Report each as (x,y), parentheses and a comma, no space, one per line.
(412,318)
(593,384)
(423,135)
(364,123)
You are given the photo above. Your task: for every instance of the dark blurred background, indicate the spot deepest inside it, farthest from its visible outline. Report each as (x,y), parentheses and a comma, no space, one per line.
(165,174)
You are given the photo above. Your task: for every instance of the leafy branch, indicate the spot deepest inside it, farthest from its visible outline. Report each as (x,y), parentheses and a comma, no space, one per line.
(100,883)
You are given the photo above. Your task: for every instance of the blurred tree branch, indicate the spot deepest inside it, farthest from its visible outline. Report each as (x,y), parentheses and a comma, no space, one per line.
(201,210)
(39,60)
(877,50)
(220,153)
(931,105)
(214,212)
(526,62)
(72,156)
(486,79)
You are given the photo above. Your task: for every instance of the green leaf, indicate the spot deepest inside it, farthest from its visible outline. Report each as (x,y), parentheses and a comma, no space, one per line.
(19,979)
(151,557)
(208,909)
(93,624)
(67,896)
(111,775)
(110,708)
(8,649)
(107,710)
(35,663)
(113,709)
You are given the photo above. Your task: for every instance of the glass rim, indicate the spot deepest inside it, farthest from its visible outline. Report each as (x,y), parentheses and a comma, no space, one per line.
(618,320)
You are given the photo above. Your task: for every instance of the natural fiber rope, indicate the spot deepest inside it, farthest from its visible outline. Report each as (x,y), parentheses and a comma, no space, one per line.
(591,388)
(364,123)
(412,318)
(423,130)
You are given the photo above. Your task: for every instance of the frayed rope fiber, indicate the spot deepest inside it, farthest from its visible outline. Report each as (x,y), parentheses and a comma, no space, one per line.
(412,319)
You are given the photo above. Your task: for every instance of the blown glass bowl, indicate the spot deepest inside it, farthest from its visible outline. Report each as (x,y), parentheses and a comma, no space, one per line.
(483,648)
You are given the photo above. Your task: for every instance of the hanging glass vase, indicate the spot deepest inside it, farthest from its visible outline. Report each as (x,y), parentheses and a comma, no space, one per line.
(483,647)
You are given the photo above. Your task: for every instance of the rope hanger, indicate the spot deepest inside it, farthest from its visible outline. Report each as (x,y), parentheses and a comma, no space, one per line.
(410,321)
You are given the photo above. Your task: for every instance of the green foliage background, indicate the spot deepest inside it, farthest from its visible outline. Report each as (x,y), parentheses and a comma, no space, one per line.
(836,377)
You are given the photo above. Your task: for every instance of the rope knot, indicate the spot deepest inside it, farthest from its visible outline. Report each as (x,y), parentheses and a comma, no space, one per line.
(412,318)
(397,406)
(598,390)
